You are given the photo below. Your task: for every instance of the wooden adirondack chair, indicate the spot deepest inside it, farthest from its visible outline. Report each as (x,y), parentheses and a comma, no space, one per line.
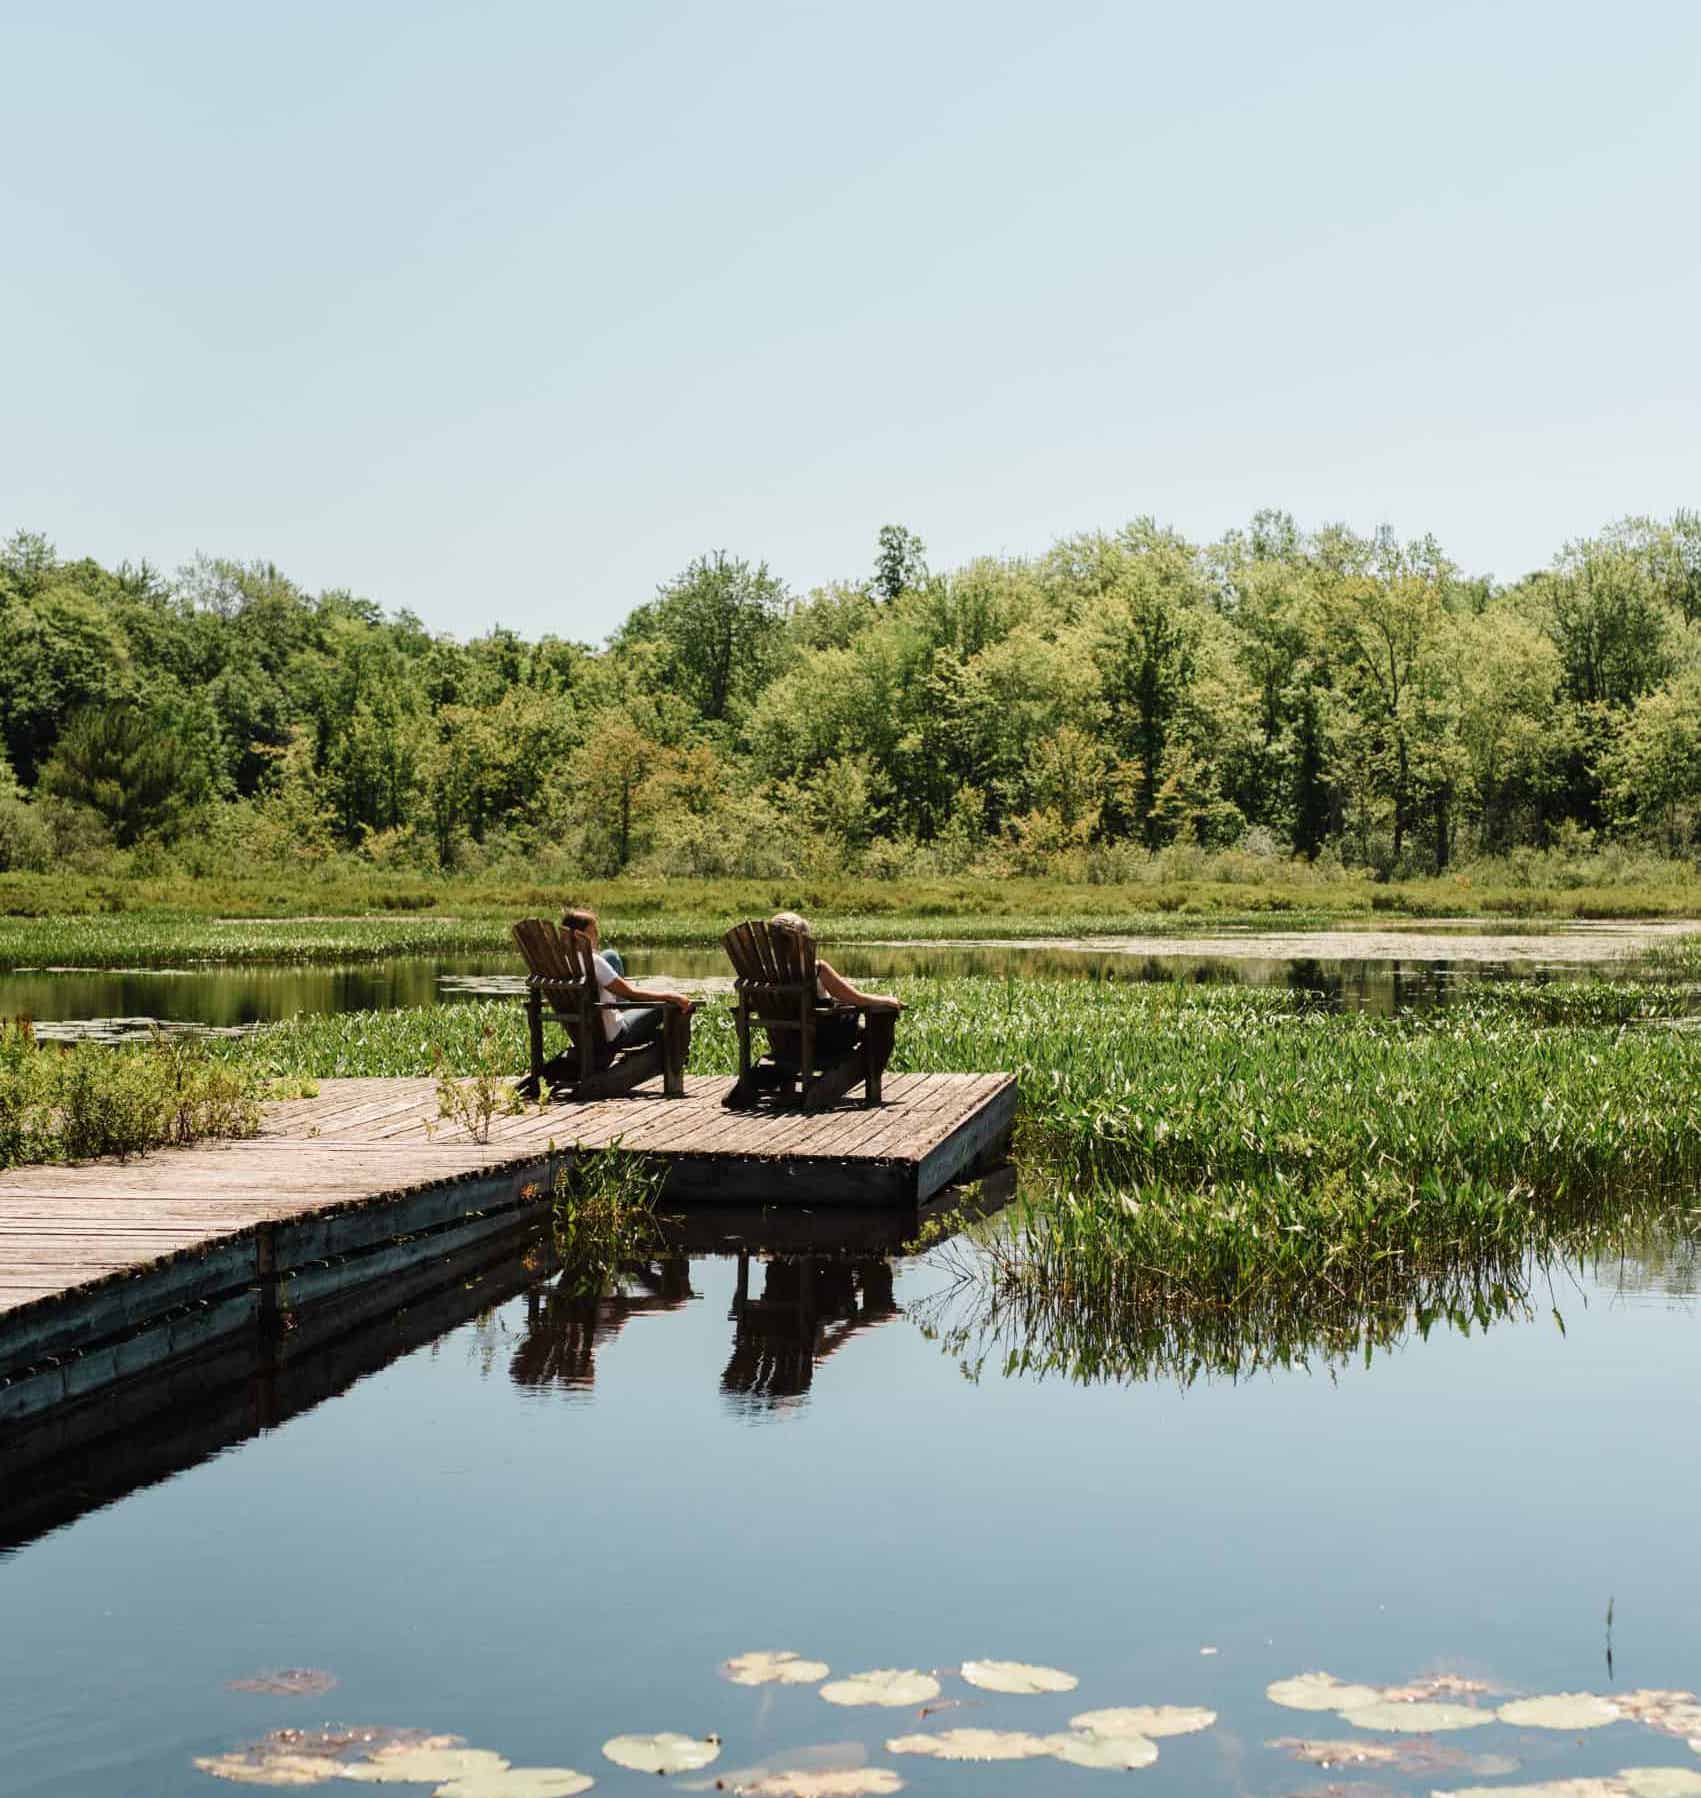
(560,974)
(775,984)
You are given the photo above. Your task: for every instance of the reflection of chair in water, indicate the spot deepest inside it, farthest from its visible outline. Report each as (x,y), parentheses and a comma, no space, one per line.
(564,1327)
(809,1307)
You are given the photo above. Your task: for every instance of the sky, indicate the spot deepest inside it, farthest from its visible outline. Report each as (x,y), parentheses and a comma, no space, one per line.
(504,312)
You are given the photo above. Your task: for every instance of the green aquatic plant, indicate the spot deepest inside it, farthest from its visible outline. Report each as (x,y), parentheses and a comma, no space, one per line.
(603,1208)
(75,1102)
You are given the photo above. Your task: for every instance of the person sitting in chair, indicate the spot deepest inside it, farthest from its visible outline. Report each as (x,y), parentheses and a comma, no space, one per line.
(624,1029)
(835,1036)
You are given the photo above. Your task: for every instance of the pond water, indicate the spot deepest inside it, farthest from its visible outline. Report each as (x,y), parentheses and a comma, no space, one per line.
(547,1520)
(240,997)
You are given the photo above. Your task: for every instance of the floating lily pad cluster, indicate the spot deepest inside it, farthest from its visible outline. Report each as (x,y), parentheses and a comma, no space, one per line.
(1423,1707)
(1630,1782)
(391,1757)
(1123,1738)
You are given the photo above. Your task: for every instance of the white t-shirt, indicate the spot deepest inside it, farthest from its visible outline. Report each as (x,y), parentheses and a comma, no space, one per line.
(605,978)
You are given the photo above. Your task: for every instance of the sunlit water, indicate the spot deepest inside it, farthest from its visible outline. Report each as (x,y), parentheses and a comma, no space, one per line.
(239,997)
(553,1521)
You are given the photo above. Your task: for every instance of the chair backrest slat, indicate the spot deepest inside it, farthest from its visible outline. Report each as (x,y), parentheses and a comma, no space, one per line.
(774,969)
(563,960)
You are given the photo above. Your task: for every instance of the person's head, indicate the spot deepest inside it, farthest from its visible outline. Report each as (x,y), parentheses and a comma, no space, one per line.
(794,923)
(581,918)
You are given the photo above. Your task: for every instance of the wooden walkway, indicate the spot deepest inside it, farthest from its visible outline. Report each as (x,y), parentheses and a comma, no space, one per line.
(109,1268)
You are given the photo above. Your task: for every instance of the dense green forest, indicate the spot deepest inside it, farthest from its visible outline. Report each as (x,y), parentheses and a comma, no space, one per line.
(1326,695)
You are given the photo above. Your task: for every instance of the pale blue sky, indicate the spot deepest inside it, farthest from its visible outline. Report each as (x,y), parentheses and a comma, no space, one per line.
(504,311)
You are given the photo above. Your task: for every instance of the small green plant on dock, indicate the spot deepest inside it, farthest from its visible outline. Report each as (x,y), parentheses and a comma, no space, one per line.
(604,1211)
(472,1101)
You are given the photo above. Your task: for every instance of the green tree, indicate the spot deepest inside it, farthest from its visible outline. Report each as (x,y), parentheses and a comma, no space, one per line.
(124,765)
(900,562)
(717,627)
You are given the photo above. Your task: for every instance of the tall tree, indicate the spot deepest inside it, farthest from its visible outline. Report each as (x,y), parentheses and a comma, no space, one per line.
(717,626)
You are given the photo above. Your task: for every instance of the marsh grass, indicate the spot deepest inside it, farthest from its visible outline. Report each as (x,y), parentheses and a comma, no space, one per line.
(71,1104)
(351,911)
(1199,1087)
(603,1207)
(1053,1290)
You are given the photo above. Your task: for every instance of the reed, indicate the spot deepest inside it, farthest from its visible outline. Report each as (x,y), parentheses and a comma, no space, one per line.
(1046,1294)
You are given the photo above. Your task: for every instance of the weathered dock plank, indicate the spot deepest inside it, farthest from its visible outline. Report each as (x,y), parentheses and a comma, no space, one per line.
(108,1268)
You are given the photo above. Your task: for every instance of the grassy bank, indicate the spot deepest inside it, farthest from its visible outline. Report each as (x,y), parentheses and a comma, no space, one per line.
(345,912)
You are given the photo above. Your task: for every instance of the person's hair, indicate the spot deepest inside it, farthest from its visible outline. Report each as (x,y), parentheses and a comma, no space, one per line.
(579,917)
(793,921)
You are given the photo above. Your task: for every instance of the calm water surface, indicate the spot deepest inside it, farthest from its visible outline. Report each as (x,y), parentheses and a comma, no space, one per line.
(550,1522)
(236,997)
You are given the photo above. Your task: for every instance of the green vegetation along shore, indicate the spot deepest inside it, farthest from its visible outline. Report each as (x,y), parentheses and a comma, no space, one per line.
(72,920)
(1309,700)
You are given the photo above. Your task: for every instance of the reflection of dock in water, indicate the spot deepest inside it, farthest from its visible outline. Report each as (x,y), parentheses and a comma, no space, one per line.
(797,1301)
(110,1270)
(809,1308)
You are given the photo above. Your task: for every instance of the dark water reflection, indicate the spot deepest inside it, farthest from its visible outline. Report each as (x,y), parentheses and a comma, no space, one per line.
(535,1514)
(240,997)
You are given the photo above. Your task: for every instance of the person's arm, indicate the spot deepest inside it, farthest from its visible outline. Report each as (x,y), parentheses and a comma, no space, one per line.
(837,987)
(622,988)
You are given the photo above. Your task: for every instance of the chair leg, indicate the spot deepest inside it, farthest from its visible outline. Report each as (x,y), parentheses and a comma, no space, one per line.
(879,1033)
(676,1051)
(532,1085)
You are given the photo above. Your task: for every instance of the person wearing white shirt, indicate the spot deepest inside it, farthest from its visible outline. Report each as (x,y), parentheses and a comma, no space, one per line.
(624,1029)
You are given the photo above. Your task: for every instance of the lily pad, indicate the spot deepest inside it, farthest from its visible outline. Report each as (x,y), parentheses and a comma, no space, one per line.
(844,1782)
(410,1765)
(1548,1788)
(519,1782)
(1320,1692)
(1561,1710)
(665,1752)
(773,1667)
(972,1745)
(1084,1748)
(1412,1755)
(262,1768)
(1418,1718)
(1153,1720)
(891,1686)
(819,1757)
(288,1682)
(1439,1685)
(1661,1782)
(1017,1677)
(1673,1713)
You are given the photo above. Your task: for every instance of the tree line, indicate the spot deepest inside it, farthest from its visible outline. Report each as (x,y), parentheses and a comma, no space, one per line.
(1317,693)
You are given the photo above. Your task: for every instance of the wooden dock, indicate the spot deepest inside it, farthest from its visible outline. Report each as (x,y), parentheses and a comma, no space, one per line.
(110,1270)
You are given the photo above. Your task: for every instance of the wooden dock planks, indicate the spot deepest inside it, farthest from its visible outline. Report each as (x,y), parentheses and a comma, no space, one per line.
(365,1178)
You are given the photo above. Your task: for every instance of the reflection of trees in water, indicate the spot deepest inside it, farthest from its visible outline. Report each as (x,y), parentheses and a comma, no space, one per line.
(1139,1329)
(565,1323)
(808,1308)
